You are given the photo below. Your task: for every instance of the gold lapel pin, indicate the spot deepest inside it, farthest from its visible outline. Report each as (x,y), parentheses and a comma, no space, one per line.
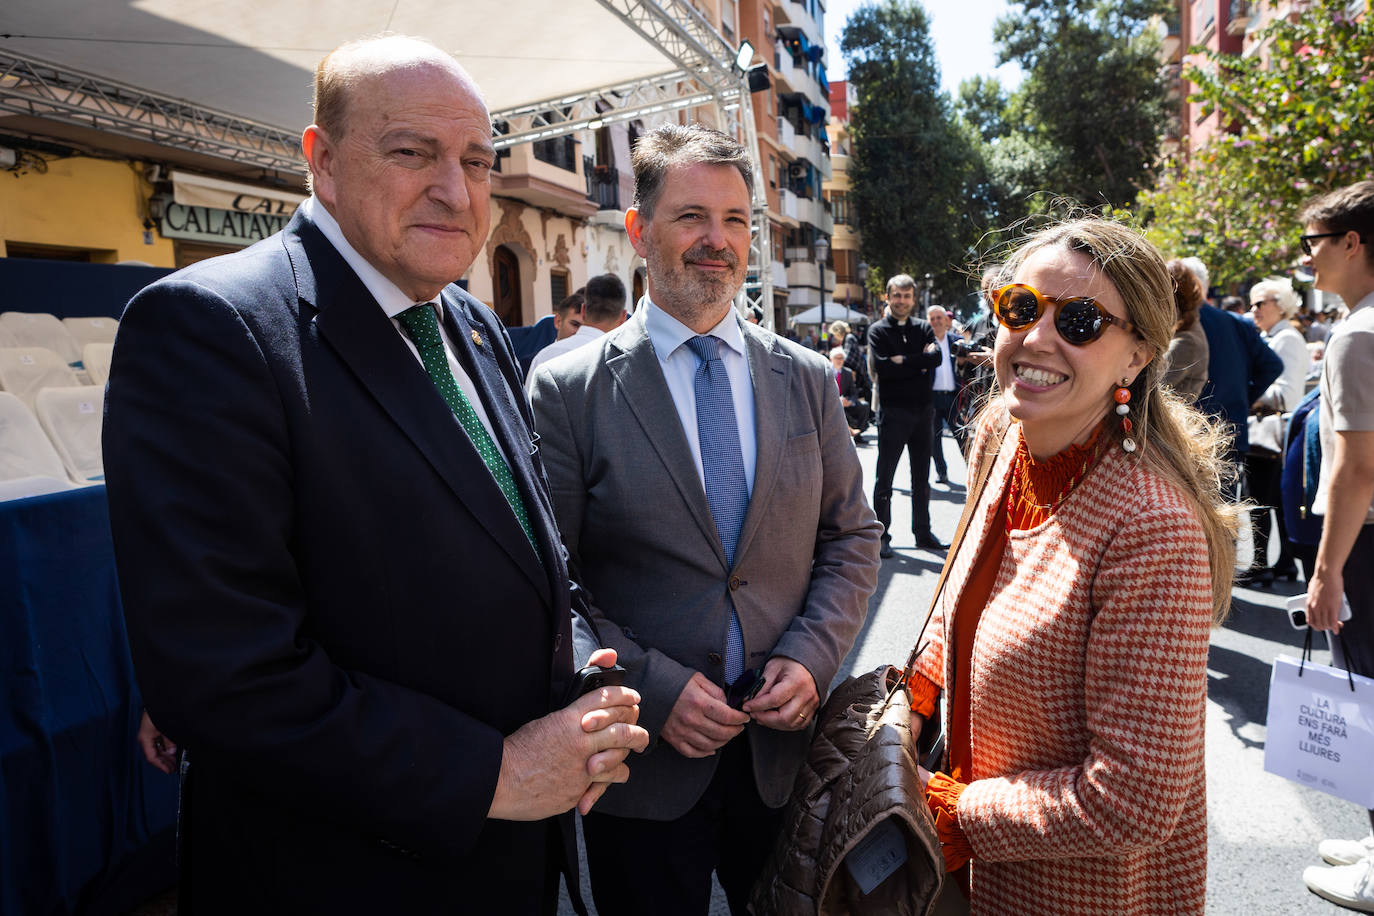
(477,338)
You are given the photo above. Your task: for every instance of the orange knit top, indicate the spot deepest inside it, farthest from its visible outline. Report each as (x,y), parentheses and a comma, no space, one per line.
(1034,491)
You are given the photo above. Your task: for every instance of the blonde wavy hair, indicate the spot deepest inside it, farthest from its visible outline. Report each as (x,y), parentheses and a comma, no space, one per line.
(1176,440)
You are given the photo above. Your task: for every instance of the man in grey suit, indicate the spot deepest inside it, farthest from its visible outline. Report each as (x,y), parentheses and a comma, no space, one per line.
(712,501)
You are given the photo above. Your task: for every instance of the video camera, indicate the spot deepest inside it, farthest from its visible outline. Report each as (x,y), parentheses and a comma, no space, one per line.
(967,348)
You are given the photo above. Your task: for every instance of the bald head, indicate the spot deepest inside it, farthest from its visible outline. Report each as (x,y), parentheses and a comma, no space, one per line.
(355,63)
(401,157)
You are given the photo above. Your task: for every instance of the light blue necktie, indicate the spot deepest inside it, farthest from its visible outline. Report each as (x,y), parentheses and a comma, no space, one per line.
(722,464)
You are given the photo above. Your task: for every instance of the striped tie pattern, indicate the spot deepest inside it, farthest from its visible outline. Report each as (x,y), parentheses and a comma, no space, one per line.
(722,464)
(422,325)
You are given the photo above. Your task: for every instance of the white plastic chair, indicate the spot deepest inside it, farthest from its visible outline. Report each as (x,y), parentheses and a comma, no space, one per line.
(96,357)
(91,330)
(71,417)
(24,370)
(40,329)
(25,450)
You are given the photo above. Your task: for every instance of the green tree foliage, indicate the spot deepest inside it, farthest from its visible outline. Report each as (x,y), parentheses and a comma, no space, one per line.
(1012,161)
(1302,112)
(910,161)
(1092,105)
(983,103)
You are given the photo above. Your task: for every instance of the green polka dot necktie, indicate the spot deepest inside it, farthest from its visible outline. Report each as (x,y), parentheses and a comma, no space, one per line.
(422,325)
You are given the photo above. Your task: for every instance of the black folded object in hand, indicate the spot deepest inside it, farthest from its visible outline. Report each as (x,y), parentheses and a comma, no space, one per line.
(594,677)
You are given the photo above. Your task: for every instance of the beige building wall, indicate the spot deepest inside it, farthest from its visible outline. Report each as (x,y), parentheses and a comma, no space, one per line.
(543,242)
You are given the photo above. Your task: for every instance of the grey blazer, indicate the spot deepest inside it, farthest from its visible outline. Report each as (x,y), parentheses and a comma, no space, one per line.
(633,513)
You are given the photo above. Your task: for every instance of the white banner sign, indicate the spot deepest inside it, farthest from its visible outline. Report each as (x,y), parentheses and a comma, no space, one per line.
(217,194)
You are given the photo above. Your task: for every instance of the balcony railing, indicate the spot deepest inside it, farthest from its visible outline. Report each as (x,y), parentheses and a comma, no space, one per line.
(1238,17)
(789,203)
(787,134)
(603,184)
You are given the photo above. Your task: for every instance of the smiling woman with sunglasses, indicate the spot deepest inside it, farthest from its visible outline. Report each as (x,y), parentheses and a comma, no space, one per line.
(1071,638)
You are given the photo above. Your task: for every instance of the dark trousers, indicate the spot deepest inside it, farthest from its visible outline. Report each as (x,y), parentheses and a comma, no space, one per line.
(904,428)
(1357,635)
(641,867)
(1354,649)
(856,415)
(1264,473)
(944,417)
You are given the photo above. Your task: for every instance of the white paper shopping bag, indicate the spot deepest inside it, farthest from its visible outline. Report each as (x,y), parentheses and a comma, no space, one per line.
(1320,730)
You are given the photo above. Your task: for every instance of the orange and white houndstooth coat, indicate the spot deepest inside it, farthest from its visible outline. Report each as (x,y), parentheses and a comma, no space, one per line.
(1088,792)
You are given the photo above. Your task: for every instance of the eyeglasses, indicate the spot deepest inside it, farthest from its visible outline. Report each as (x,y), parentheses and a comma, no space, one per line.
(1079,319)
(1306,240)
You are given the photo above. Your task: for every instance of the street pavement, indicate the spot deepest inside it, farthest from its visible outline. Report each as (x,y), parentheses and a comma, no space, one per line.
(1262,829)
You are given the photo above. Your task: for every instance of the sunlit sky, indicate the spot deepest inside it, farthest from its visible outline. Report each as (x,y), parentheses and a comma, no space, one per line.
(961,29)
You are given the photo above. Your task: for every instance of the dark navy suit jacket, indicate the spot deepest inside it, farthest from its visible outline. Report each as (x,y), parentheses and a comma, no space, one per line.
(330,603)
(1240,366)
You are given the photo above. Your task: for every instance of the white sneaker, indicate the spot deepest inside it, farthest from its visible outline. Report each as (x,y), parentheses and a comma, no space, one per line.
(1346,852)
(1350,886)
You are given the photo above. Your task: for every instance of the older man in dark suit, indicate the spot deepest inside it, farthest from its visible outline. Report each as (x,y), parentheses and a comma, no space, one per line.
(712,501)
(345,590)
(855,408)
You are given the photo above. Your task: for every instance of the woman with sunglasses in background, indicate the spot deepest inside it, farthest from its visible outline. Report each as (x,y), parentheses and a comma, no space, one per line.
(1273,304)
(1071,638)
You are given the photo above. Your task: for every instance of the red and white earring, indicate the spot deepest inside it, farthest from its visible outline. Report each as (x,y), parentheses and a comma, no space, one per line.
(1123,410)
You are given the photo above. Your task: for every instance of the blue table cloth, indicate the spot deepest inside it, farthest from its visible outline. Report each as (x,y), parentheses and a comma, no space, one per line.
(86,825)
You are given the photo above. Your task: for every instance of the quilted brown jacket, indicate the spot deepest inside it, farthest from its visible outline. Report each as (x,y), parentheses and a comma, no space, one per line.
(845,787)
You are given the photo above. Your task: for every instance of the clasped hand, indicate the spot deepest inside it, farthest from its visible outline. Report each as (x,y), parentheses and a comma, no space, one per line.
(569,757)
(701,721)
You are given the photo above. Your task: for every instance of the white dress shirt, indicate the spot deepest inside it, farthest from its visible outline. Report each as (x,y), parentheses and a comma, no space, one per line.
(944,373)
(393,303)
(669,337)
(585,334)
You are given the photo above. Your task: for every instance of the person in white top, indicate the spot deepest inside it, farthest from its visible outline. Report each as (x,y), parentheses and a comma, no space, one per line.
(1273,305)
(603,309)
(944,391)
(1338,248)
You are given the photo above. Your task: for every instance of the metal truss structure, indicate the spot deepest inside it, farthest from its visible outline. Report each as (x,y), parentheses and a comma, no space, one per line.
(703,74)
(55,93)
(706,75)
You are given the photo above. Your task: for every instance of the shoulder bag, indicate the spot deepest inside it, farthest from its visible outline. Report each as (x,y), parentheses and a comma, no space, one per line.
(857,836)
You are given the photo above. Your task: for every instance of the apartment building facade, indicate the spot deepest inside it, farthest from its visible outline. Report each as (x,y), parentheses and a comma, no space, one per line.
(851,273)
(1220,26)
(790,119)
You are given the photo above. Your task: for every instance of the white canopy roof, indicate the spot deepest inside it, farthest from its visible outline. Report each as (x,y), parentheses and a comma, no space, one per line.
(833,312)
(256,58)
